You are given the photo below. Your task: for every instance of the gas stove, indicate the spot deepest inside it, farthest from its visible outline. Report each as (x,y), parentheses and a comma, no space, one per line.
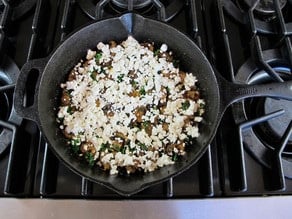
(248,42)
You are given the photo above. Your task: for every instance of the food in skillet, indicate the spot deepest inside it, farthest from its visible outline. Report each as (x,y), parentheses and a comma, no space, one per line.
(128,107)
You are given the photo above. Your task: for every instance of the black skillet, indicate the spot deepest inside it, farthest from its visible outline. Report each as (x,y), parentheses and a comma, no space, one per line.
(53,70)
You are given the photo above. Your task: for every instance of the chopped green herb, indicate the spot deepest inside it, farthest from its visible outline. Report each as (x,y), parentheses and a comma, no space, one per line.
(93,75)
(142,90)
(98,56)
(89,157)
(123,149)
(70,110)
(185,105)
(120,78)
(75,145)
(132,149)
(76,141)
(116,147)
(156,52)
(104,146)
(134,84)
(102,71)
(174,157)
(145,124)
(201,105)
(143,147)
(75,148)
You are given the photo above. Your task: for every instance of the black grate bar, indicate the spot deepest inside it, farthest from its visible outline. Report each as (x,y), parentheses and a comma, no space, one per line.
(86,187)
(7,87)
(258,47)
(44,172)
(169,188)
(289,50)
(194,22)
(194,19)
(277,165)
(2,38)
(35,29)
(206,174)
(221,16)
(99,8)
(233,10)
(130,5)
(8,179)
(161,10)
(250,123)
(49,173)
(280,18)
(252,19)
(283,30)
(65,19)
(225,41)
(5,15)
(242,183)
(271,72)
(3,24)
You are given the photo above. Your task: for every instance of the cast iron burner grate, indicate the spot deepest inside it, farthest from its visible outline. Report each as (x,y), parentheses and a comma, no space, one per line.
(135,4)
(8,75)
(267,15)
(265,7)
(18,8)
(164,9)
(265,123)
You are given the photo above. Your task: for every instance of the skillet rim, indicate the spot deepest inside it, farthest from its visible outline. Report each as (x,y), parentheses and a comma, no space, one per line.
(108,183)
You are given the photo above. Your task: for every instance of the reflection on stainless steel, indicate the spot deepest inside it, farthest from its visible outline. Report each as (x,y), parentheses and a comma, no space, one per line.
(241,208)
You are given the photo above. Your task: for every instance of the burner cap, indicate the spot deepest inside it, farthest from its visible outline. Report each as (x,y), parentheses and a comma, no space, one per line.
(278,125)
(266,6)
(136,3)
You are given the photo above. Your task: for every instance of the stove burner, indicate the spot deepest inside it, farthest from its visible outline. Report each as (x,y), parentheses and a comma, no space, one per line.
(264,14)
(262,139)
(118,6)
(265,7)
(97,9)
(8,76)
(18,7)
(136,3)
(278,125)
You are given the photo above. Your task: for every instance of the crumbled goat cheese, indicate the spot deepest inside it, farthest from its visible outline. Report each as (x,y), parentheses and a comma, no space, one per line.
(130,108)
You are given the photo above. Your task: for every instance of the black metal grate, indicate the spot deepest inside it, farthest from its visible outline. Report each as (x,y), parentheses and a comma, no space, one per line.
(234,39)
(161,9)
(43,174)
(262,59)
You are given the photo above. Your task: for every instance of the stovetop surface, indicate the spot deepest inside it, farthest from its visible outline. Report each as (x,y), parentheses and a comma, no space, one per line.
(244,46)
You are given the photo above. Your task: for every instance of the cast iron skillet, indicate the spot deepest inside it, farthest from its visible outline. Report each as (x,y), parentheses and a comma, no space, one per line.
(53,70)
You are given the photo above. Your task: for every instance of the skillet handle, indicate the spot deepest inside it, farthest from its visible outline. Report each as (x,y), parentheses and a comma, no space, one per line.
(19,98)
(231,92)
